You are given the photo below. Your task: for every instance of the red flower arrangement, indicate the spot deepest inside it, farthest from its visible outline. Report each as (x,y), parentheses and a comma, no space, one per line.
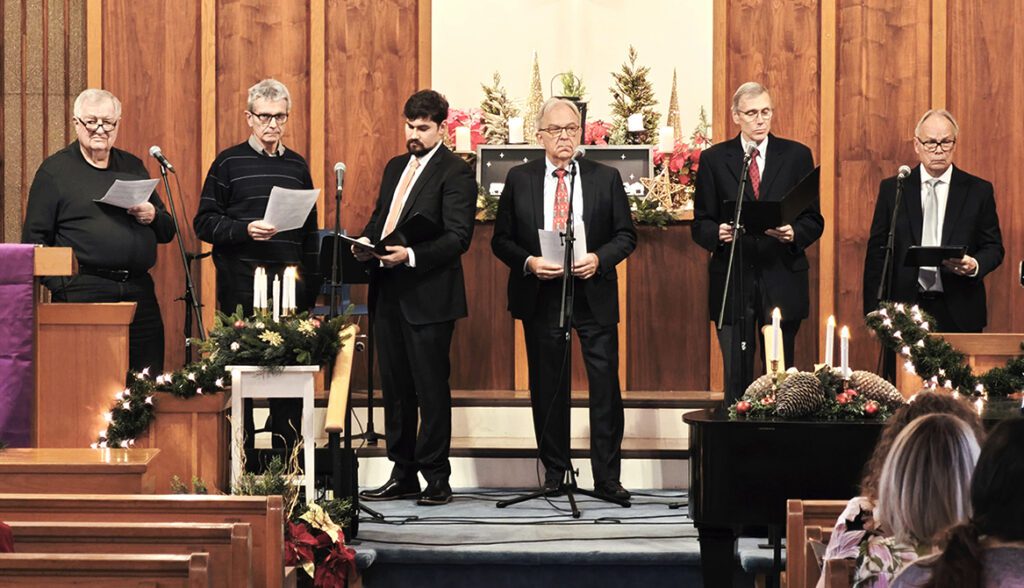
(315,543)
(472,118)
(597,133)
(682,162)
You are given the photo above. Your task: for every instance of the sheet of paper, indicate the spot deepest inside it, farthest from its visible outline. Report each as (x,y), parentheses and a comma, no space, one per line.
(129,193)
(288,209)
(552,245)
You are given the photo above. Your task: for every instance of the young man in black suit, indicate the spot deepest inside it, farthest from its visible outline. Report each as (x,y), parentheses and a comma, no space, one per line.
(941,205)
(775,266)
(416,294)
(536,196)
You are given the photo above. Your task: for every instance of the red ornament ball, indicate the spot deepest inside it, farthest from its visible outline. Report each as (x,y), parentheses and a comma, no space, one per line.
(239,324)
(851,394)
(316,323)
(842,398)
(871,408)
(743,407)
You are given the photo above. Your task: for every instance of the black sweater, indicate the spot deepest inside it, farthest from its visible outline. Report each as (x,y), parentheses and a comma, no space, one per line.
(61,212)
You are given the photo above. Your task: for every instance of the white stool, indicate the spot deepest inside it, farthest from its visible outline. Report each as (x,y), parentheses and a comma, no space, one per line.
(249,381)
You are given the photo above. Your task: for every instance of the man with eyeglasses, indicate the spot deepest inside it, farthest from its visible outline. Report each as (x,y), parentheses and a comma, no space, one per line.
(230,216)
(942,205)
(114,248)
(536,196)
(775,266)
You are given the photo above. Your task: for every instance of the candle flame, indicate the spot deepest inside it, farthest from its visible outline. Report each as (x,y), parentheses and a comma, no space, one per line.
(844,332)
(776,313)
(831,321)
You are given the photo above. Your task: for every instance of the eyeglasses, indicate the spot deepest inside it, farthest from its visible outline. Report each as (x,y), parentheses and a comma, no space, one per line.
(94,125)
(265,118)
(937,146)
(764,113)
(554,131)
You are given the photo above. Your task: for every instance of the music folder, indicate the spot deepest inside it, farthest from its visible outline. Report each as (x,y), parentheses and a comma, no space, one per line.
(930,256)
(415,229)
(761,215)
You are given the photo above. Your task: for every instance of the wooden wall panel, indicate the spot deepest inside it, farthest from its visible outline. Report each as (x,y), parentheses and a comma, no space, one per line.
(883,67)
(985,91)
(151,62)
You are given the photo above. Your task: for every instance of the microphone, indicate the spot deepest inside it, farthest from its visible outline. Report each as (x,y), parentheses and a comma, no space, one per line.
(904,171)
(339,170)
(159,156)
(750,153)
(580,151)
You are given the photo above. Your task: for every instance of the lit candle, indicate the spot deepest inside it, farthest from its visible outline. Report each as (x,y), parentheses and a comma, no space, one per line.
(635,123)
(291,272)
(515,130)
(776,334)
(666,139)
(256,289)
(830,335)
(277,298)
(462,140)
(844,351)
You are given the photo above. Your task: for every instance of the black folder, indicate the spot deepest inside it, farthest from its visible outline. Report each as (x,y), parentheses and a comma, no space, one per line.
(761,215)
(415,229)
(921,256)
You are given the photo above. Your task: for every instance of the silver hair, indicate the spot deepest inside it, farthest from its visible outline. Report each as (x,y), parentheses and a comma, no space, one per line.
(93,95)
(937,112)
(549,104)
(270,90)
(924,487)
(747,90)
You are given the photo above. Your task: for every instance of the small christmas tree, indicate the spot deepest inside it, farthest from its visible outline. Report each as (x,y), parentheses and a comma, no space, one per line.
(633,94)
(498,108)
(533,104)
(701,136)
(673,111)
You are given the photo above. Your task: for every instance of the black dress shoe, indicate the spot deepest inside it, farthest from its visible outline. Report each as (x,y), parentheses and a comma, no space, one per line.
(436,493)
(393,489)
(611,489)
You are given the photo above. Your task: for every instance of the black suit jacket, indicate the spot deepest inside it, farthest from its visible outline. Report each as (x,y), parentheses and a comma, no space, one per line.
(782,267)
(971,221)
(433,291)
(606,217)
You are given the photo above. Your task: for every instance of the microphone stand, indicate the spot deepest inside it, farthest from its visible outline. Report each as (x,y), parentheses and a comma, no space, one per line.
(888,368)
(192,306)
(565,314)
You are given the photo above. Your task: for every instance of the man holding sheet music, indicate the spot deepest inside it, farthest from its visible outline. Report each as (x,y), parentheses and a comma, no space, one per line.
(417,293)
(231,216)
(115,244)
(534,204)
(775,267)
(941,206)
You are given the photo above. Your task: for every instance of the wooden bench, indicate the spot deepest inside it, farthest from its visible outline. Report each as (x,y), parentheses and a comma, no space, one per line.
(104,570)
(838,573)
(263,514)
(814,535)
(799,515)
(229,545)
(76,471)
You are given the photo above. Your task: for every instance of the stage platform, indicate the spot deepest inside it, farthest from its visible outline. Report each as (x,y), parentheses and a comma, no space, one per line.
(471,543)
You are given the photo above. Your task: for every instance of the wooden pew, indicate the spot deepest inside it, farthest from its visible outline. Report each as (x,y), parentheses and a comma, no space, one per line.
(104,570)
(814,534)
(76,470)
(799,515)
(838,572)
(263,514)
(229,545)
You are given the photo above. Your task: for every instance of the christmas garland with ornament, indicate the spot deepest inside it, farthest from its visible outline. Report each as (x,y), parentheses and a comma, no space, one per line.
(822,395)
(234,340)
(906,330)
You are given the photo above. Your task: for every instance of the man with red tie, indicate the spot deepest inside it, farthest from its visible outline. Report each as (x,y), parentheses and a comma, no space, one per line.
(774,270)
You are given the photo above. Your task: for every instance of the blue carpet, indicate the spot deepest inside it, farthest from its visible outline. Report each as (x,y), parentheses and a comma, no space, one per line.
(471,543)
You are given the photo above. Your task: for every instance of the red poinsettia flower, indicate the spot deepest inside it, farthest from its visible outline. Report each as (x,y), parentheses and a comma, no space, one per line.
(597,133)
(336,568)
(299,544)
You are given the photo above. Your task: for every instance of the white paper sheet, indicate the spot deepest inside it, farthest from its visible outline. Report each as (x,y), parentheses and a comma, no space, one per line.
(552,245)
(288,209)
(129,193)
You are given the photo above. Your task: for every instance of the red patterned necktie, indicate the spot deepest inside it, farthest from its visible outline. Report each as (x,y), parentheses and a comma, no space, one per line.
(755,175)
(561,217)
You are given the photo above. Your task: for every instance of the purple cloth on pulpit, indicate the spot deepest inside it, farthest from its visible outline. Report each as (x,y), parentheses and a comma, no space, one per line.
(17,318)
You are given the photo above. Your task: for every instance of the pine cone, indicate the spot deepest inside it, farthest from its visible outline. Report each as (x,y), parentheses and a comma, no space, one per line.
(759,388)
(873,387)
(799,395)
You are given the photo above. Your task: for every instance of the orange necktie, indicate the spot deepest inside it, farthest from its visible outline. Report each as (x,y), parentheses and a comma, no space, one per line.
(399,200)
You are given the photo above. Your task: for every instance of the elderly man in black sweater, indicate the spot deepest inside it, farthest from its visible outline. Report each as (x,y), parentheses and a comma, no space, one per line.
(231,209)
(115,248)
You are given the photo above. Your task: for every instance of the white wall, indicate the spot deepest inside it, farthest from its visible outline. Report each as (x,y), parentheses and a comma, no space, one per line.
(473,38)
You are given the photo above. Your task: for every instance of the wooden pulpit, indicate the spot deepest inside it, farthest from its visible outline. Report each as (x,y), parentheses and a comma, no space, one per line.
(984,351)
(81,358)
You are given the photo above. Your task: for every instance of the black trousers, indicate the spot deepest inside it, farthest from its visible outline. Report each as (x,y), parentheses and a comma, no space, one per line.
(758,313)
(145,334)
(550,379)
(414,370)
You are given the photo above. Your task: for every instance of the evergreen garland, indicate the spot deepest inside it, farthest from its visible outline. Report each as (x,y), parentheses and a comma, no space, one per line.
(497,109)
(633,93)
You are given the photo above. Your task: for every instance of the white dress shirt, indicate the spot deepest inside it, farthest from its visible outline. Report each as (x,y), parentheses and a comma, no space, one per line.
(762,150)
(942,196)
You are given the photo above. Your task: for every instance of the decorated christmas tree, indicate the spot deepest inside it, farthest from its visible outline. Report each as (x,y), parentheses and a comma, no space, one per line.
(533,103)
(498,108)
(673,111)
(633,94)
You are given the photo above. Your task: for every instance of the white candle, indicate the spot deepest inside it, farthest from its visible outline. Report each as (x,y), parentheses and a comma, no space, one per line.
(277,298)
(462,139)
(666,139)
(830,335)
(256,289)
(635,123)
(515,130)
(776,334)
(291,272)
(844,351)
(285,280)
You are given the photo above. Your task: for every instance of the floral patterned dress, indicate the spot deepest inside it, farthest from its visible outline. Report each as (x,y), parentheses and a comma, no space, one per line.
(879,558)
